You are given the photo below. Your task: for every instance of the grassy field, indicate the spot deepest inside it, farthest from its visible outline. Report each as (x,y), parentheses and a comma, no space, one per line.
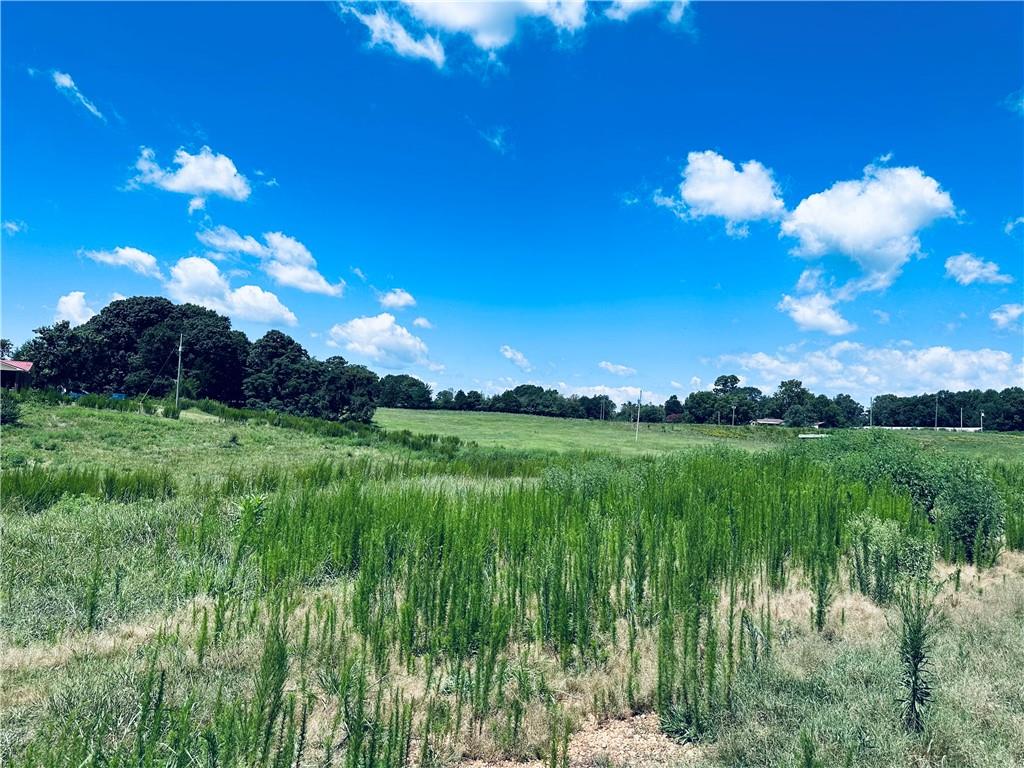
(522,432)
(205,592)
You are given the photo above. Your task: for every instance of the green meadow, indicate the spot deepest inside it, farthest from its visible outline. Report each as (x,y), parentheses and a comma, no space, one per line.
(232,589)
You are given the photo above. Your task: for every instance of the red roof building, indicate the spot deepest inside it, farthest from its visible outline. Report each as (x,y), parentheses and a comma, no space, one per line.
(15,374)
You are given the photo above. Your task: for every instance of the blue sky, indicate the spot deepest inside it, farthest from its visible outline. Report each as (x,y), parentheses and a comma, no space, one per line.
(589,196)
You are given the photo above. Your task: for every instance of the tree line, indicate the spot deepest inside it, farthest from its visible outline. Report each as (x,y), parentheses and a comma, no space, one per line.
(131,347)
(726,403)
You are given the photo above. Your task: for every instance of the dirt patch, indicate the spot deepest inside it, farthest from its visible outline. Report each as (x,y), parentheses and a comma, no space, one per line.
(636,742)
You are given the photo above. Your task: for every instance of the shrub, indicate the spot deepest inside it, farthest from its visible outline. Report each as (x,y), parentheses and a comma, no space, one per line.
(918,624)
(10,410)
(969,514)
(884,556)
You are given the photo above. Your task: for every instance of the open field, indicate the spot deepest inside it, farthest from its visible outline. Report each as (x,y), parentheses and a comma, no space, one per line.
(521,432)
(284,598)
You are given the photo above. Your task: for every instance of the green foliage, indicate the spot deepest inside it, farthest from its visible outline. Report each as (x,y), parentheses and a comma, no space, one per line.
(884,556)
(37,488)
(406,589)
(969,514)
(918,625)
(10,408)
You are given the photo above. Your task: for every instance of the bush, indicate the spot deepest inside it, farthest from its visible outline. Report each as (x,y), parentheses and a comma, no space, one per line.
(969,514)
(10,410)
(171,411)
(884,556)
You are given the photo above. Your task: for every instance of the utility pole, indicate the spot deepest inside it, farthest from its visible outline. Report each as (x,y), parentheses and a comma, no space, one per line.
(177,383)
(936,410)
(961,417)
(982,421)
(638,401)
(871,412)
(734,415)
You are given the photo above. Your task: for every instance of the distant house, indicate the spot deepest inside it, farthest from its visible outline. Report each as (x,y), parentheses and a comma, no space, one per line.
(768,422)
(15,374)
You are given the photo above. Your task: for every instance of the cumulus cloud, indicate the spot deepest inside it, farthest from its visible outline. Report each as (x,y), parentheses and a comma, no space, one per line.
(866,371)
(714,186)
(874,220)
(13,228)
(1007,315)
(197,280)
(386,30)
(966,268)
(66,85)
(283,258)
(492,26)
(396,298)
(618,370)
(816,312)
(418,29)
(381,339)
(422,322)
(73,308)
(619,395)
(516,357)
(136,260)
(290,263)
(201,175)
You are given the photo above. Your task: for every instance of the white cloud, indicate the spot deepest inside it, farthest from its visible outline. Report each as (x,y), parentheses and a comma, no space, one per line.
(619,395)
(66,85)
(226,240)
(290,263)
(810,280)
(136,260)
(695,382)
(618,370)
(966,268)
(677,10)
(197,280)
(866,371)
(492,25)
(386,30)
(496,138)
(381,339)
(13,228)
(1007,315)
(286,260)
(874,220)
(418,28)
(359,273)
(422,322)
(396,298)
(881,315)
(72,307)
(518,358)
(816,312)
(621,10)
(713,186)
(1013,224)
(201,175)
